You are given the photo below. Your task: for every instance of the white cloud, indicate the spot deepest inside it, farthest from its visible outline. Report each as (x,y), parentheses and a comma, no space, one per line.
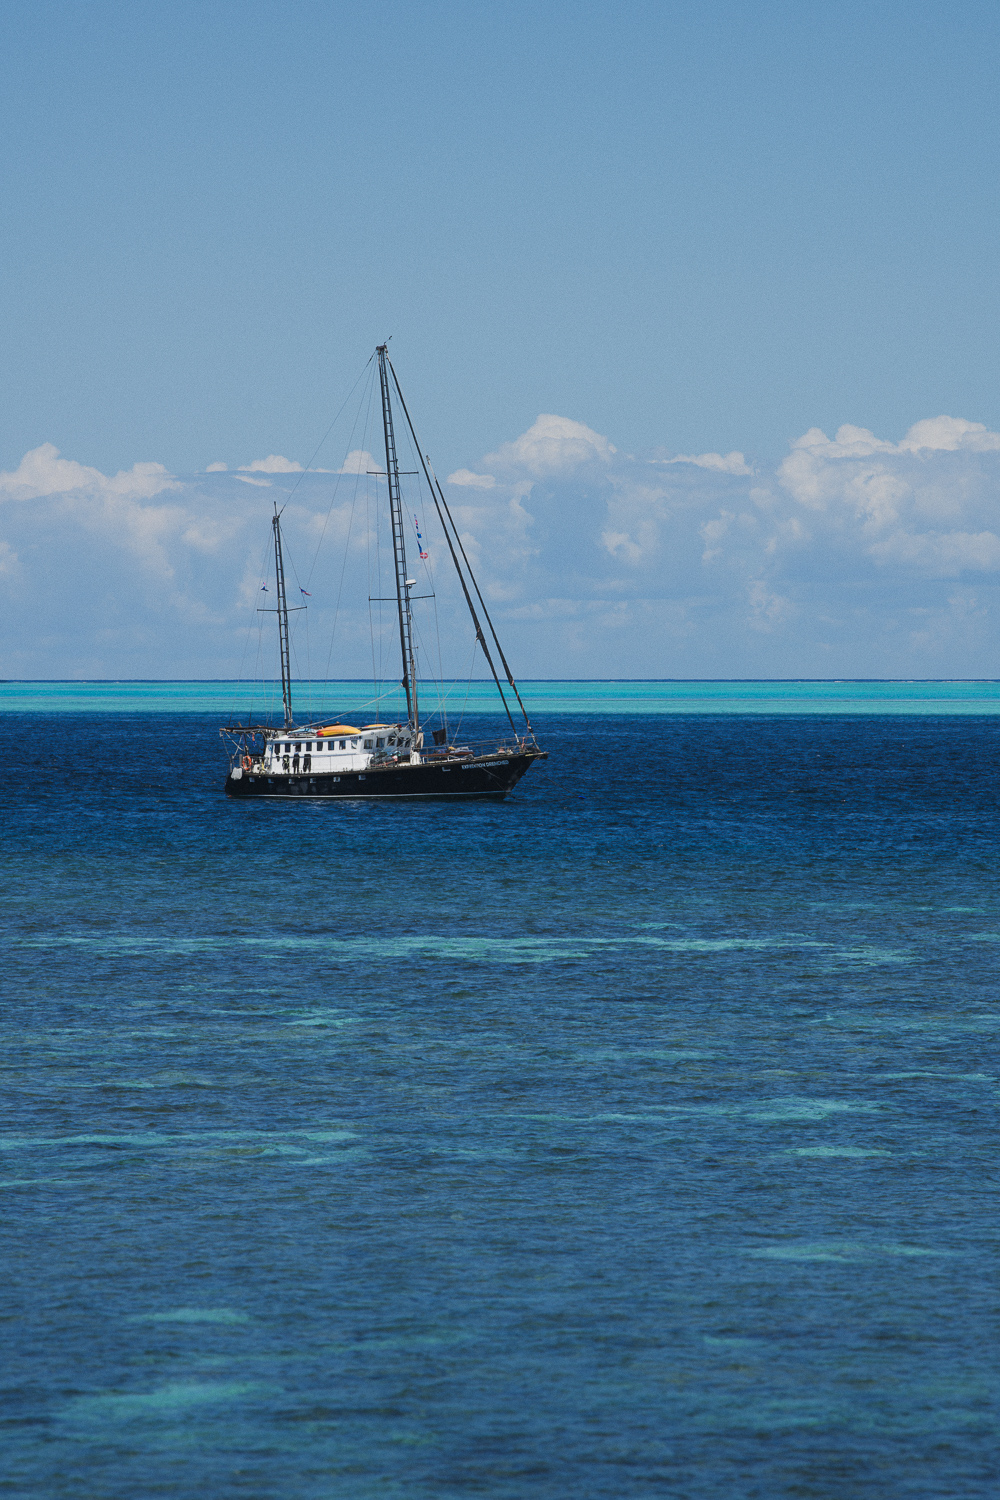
(729,463)
(932,435)
(43,472)
(472,481)
(552,445)
(273,464)
(949,553)
(217,468)
(930,503)
(768,610)
(949,434)
(856,555)
(360,461)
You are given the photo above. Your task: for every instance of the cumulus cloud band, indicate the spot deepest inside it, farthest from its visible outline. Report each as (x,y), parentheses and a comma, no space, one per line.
(855,555)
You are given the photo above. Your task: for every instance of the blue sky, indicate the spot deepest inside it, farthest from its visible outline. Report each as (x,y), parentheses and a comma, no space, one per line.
(685,230)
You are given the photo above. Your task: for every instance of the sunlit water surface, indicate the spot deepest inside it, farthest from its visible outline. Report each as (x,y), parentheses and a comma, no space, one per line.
(635,1137)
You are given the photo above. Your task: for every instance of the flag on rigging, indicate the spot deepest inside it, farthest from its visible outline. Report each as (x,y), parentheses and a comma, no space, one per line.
(420,540)
(305,591)
(263,588)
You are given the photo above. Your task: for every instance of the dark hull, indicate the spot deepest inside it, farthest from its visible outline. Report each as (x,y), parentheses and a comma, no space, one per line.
(488,777)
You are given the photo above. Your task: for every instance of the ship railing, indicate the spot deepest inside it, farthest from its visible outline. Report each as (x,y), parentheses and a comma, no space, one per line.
(469,749)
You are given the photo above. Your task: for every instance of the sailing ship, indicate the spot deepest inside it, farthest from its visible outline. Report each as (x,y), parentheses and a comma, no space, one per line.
(402,759)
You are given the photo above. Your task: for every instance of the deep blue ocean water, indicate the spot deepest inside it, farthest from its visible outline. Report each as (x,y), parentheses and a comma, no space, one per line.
(635,1137)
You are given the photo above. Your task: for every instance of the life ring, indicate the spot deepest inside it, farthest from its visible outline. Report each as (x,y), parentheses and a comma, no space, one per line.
(246,762)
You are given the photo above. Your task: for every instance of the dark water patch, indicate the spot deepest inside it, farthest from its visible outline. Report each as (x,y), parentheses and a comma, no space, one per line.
(633,1137)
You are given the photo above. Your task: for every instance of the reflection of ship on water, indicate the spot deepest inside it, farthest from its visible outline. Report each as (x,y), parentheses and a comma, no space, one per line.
(401,759)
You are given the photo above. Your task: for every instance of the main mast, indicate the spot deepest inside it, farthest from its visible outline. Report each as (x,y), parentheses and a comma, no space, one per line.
(282,612)
(398,547)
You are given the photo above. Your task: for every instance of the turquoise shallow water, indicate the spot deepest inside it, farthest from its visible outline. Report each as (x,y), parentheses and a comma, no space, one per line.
(546,697)
(633,1138)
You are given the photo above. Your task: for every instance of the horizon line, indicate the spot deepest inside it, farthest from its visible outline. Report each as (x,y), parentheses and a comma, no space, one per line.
(324,682)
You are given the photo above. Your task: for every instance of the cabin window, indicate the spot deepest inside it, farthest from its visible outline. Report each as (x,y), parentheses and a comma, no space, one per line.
(343,744)
(381,742)
(354,744)
(392,739)
(368,744)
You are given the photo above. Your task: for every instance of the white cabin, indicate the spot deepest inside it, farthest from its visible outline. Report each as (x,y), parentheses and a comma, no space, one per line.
(337,747)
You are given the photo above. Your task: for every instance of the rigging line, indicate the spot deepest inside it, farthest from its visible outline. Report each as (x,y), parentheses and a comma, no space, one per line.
(290,493)
(350,527)
(425,465)
(288,561)
(468,688)
(340,590)
(475,619)
(261,573)
(489,621)
(428,568)
(332,425)
(308,651)
(257,666)
(371,622)
(442,710)
(378,582)
(259,674)
(336,483)
(356,708)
